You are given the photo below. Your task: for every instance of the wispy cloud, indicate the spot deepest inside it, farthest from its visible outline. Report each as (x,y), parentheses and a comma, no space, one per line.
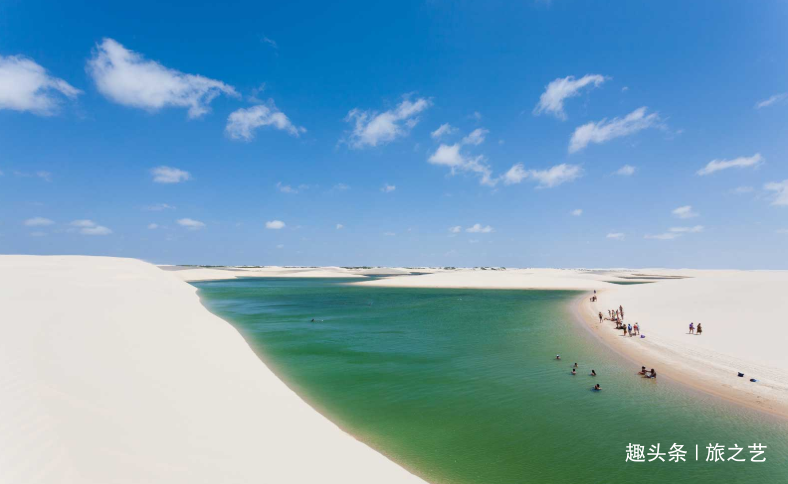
(552,99)
(242,123)
(476,137)
(603,131)
(168,174)
(577,212)
(479,229)
(340,226)
(153,226)
(685,212)
(626,170)
(548,178)
(274,225)
(270,42)
(127,78)
(26,86)
(455,230)
(289,189)
(663,236)
(443,130)
(158,207)
(777,98)
(742,190)
(780,190)
(615,235)
(89,227)
(386,188)
(190,223)
(38,222)
(371,128)
(740,162)
(688,230)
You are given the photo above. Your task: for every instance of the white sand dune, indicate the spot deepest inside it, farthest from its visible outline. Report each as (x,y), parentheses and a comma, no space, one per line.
(111,371)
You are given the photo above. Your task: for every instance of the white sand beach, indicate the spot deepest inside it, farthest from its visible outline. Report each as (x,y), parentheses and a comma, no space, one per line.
(112,371)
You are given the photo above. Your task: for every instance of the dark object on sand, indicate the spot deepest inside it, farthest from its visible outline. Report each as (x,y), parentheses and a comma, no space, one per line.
(741,374)
(753,380)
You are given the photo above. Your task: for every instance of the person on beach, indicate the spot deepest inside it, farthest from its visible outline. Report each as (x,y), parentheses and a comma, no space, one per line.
(621,309)
(597,388)
(600,316)
(593,372)
(629,329)
(692,328)
(574,372)
(636,328)
(642,370)
(653,374)
(700,330)
(625,330)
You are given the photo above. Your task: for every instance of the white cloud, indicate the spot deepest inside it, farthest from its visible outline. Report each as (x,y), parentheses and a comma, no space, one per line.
(371,128)
(742,190)
(388,188)
(38,222)
(685,212)
(280,246)
(455,230)
(168,174)
(242,122)
(158,207)
(389,234)
(450,155)
(26,86)
(340,226)
(615,236)
(740,162)
(89,227)
(153,226)
(443,129)
(275,224)
(626,170)
(781,192)
(687,230)
(286,188)
(127,78)
(341,187)
(665,236)
(577,212)
(549,178)
(270,42)
(552,99)
(190,223)
(772,100)
(479,229)
(476,137)
(604,130)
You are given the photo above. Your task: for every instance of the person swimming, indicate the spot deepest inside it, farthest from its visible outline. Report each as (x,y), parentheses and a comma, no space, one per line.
(653,374)
(574,372)
(313,320)
(593,372)
(597,388)
(557,357)
(575,365)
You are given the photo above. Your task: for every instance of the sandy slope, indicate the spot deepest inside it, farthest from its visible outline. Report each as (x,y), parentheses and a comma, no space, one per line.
(111,371)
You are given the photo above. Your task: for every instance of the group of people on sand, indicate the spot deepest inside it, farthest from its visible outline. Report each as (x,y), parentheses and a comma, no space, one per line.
(697,331)
(648,373)
(596,387)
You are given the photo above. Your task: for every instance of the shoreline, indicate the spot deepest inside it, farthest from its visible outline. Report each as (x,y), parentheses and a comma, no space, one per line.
(671,365)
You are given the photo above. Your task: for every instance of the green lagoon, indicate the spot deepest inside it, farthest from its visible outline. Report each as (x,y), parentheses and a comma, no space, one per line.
(462,386)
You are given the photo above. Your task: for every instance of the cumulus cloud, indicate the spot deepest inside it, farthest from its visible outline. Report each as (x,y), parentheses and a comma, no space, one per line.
(602,131)
(168,174)
(190,223)
(275,225)
(38,222)
(479,229)
(242,123)
(772,100)
(443,130)
(89,227)
(781,192)
(371,128)
(388,188)
(626,170)
(127,78)
(577,212)
(548,178)
(26,86)
(552,99)
(452,156)
(615,235)
(740,162)
(685,212)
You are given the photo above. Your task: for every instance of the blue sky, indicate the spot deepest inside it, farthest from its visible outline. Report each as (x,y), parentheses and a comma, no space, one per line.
(574,133)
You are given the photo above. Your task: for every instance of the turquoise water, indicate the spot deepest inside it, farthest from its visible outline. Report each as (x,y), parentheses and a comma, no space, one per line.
(461,386)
